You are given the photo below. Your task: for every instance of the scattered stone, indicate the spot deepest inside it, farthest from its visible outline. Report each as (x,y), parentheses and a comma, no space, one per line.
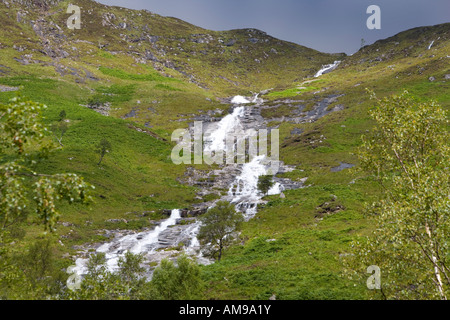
(67,224)
(329,207)
(7,88)
(130,114)
(431,79)
(230,43)
(297,131)
(342,166)
(117,220)
(102,108)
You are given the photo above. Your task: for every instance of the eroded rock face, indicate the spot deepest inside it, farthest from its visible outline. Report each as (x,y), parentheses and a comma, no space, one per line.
(102,108)
(37,4)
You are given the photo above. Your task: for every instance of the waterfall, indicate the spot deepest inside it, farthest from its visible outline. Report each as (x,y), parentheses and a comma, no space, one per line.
(143,242)
(327,68)
(239,100)
(243,192)
(216,139)
(148,241)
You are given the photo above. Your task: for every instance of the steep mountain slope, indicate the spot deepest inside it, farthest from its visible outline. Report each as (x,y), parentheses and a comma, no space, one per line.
(134,76)
(174,66)
(167,44)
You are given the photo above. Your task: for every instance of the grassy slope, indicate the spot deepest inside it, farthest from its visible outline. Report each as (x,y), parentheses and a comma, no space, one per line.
(304,261)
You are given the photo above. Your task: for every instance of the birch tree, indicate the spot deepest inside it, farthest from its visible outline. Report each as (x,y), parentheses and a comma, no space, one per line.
(219,227)
(24,142)
(407,153)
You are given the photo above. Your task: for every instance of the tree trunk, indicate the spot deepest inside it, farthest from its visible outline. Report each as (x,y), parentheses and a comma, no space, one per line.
(437,273)
(220,250)
(101,158)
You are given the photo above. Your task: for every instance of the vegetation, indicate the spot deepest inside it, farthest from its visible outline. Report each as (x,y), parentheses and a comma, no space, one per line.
(100,284)
(295,247)
(103,148)
(23,144)
(177,282)
(169,282)
(265,182)
(218,228)
(408,155)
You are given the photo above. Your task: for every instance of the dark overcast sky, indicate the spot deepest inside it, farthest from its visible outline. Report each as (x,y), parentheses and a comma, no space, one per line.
(325,25)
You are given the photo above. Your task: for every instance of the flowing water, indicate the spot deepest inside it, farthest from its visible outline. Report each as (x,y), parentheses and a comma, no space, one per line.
(243,192)
(327,68)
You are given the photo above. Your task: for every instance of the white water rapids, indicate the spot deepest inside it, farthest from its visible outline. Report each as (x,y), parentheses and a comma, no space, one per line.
(243,193)
(327,68)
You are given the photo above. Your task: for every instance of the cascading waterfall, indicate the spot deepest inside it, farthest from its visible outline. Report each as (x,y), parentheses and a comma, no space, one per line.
(243,193)
(327,68)
(144,242)
(216,139)
(239,100)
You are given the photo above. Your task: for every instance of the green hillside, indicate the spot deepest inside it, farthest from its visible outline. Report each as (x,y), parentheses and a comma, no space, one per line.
(134,76)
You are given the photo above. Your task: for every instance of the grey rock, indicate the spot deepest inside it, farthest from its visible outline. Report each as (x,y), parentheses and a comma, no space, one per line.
(150,56)
(342,166)
(297,131)
(130,114)
(230,43)
(7,88)
(100,108)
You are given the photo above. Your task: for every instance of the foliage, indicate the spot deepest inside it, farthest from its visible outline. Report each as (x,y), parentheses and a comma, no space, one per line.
(62,115)
(23,144)
(59,130)
(130,269)
(265,182)
(177,282)
(408,154)
(100,284)
(33,274)
(218,228)
(169,282)
(103,148)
